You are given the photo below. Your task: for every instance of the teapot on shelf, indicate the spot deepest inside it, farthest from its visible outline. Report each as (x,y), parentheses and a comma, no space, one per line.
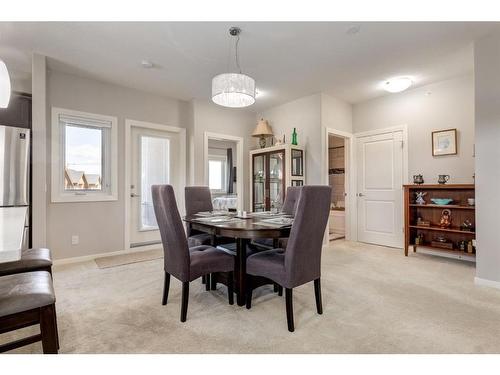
(418,179)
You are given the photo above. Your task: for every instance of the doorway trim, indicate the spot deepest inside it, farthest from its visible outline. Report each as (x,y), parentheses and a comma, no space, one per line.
(239,161)
(350,208)
(404,129)
(129,123)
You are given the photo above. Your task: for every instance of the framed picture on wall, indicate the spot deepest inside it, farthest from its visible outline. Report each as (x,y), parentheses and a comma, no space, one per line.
(444,142)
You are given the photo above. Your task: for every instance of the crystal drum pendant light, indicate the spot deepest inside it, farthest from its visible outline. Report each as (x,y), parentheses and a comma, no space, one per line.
(4,85)
(234,90)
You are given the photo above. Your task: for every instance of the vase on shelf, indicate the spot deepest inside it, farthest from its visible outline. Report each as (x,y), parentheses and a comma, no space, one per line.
(294,137)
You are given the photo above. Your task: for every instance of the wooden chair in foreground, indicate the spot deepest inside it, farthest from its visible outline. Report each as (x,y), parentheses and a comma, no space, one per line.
(27,299)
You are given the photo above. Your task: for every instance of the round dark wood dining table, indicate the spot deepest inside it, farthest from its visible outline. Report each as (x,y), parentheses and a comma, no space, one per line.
(243,231)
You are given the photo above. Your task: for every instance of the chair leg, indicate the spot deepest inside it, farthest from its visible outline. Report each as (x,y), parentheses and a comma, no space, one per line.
(207,282)
(280,290)
(166,287)
(230,288)
(57,330)
(317,294)
(185,298)
(289,309)
(213,282)
(249,298)
(48,329)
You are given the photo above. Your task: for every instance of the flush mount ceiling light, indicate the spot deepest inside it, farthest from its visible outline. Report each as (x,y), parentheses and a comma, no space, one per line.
(397,84)
(4,85)
(234,90)
(146,64)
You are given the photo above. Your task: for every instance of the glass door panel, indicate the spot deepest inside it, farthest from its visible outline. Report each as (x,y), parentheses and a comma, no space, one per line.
(155,169)
(259,183)
(297,163)
(276,179)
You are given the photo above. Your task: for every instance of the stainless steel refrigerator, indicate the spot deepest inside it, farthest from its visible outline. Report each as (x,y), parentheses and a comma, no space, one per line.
(15,171)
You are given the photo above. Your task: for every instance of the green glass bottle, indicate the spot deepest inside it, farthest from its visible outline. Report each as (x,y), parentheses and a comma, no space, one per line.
(294,138)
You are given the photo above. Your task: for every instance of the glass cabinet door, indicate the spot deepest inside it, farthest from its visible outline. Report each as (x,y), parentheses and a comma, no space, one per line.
(259,183)
(276,180)
(297,162)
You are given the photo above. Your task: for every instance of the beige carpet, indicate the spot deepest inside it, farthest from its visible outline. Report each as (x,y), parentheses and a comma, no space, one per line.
(121,260)
(375,301)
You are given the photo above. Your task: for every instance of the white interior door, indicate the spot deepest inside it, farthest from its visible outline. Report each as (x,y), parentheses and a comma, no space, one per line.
(153,154)
(379,189)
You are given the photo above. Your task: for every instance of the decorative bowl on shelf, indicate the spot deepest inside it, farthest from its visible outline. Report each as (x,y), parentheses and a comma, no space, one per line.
(441,201)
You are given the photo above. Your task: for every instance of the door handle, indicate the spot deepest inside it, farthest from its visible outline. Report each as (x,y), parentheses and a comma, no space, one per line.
(361,195)
(134,195)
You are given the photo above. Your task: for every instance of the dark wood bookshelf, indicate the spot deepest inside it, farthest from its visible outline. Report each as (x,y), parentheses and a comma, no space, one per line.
(460,211)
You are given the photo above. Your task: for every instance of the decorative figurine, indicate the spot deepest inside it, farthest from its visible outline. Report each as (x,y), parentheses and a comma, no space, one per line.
(280,141)
(294,137)
(467,226)
(420,197)
(418,179)
(419,240)
(470,247)
(445,221)
(462,245)
(443,178)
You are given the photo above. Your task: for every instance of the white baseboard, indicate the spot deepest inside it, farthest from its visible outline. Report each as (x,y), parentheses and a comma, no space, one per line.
(87,258)
(486,282)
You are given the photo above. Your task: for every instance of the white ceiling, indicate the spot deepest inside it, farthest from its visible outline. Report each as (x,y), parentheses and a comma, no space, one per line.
(288,59)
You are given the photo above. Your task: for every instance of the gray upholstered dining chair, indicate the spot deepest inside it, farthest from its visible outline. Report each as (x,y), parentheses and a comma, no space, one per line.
(291,200)
(184,263)
(198,199)
(301,262)
(289,207)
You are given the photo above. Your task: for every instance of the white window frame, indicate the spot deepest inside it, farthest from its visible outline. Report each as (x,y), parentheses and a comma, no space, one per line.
(224,175)
(110,155)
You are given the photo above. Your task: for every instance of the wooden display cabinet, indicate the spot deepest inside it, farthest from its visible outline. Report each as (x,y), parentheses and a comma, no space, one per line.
(460,211)
(273,169)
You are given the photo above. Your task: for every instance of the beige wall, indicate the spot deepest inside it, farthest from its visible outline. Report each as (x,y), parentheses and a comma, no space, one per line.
(209,117)
(304,114)
(487,93)
(336,114)
(443,105)
(100,225)
(21,85)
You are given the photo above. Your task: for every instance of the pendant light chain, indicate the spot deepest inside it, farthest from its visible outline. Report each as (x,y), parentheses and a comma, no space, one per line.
(236,53)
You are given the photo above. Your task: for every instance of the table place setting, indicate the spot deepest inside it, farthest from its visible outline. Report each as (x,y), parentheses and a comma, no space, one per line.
(276,222)
(268,214)
(212,213)
(218,219)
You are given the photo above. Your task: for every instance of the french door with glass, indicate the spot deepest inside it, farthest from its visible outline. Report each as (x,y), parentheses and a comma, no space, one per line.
(152,162)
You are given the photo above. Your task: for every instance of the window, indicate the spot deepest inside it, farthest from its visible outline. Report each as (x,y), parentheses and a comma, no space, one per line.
(84,165)
(217,174)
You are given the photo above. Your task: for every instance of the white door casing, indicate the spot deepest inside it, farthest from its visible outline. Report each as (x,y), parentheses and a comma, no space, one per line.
(380,171)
